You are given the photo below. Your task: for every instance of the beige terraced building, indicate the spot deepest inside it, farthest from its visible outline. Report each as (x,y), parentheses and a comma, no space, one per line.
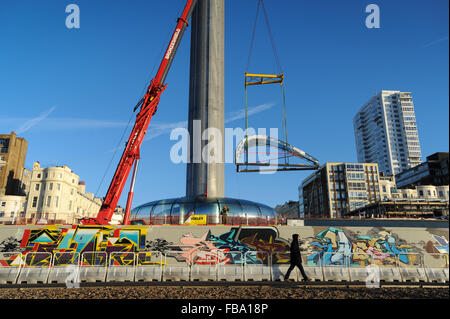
(56,195)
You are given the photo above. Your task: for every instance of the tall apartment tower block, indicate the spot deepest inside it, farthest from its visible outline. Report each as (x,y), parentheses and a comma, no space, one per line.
(386,132)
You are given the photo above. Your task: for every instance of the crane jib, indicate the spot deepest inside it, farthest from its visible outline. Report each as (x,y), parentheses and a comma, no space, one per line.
(148,104)
(172,44)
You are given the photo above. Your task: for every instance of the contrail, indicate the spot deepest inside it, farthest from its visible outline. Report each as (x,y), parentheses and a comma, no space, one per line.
(435,42)
(30,123)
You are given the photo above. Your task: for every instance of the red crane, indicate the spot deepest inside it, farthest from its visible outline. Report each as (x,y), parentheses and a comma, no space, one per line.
(148,106)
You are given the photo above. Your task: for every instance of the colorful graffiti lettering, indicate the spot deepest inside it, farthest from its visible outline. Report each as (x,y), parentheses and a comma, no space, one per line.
(78,240)
(255,244)
(332,246)
(97,245)
(442,244)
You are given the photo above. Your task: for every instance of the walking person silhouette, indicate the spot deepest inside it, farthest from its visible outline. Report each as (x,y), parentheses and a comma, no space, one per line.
(296,259)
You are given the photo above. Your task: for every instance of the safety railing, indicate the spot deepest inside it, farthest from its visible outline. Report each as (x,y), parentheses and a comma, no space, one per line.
(202,265)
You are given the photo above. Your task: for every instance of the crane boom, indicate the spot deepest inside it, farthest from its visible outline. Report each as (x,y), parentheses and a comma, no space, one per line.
(148,106)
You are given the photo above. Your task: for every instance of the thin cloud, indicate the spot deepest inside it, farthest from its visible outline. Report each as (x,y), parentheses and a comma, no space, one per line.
(239,115)
(444,39)
(157,129)
(30,123)
(58,123)
(80,123)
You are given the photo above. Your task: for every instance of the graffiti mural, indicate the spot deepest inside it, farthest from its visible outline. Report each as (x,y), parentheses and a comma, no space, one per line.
(333,246)
(10,244)
(239,245)
(203,245)
(69,244)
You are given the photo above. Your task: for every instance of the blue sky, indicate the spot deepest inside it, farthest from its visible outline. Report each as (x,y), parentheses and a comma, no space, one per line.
(70,92)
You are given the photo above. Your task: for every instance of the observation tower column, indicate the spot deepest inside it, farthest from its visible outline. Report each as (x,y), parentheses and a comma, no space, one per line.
(205,172)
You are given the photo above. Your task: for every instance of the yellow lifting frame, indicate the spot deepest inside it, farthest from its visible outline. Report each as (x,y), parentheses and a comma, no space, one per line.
(261,79)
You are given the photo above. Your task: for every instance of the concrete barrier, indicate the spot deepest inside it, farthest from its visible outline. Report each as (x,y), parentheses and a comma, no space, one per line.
(436,267)
(10,265)
(36,268)
(335,267)
(149,266)
(413,270)
(280,265)
(173,270)
(260,271)
(93,266)
(205,267)
(121,268)
(65,268)
(231,268)
(279,272)
(390,274)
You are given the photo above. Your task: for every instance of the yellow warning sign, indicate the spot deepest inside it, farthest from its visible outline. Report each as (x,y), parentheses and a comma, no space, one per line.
(196,220)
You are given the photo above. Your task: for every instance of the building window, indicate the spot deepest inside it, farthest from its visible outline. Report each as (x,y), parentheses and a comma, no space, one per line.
(441,194)
(36,187)
(34,201)
(11,215)
(3,204)
(49,201)
(2,214)
(420,193)
(56,201)
(50,187)
(58,186)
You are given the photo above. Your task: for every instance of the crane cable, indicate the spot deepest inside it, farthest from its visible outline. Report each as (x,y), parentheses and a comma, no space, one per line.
(280,71)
